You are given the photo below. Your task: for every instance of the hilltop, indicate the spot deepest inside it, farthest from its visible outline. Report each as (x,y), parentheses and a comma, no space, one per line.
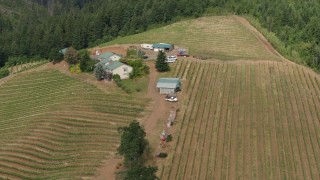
(216,37)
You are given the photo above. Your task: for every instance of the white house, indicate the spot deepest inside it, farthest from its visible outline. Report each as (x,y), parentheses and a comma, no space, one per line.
(116,67)
(109,56)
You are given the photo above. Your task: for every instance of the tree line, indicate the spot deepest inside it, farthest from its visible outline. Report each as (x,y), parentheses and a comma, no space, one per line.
(87,23)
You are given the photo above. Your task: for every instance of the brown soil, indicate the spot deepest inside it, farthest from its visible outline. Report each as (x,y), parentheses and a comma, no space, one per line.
(107,170)
(120,49)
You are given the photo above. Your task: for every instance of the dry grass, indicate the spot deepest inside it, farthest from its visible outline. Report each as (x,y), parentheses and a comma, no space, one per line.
(247,121)
(56,127)
(218,37)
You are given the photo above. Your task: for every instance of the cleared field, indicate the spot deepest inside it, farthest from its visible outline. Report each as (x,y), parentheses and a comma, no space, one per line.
(218,37)
(53,126)
(246,121)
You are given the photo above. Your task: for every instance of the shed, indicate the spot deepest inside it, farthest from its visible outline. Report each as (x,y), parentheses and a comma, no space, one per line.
(163,47)
(168,85)
(63,51)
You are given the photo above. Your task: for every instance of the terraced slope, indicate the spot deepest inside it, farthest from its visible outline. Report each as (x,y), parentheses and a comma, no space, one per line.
(218,37)
(54,127)
(246,121)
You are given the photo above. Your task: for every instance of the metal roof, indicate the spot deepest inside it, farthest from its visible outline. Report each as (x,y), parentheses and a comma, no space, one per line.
(63,51)
(105,55)
(162,45)
(168,83)
(113,65)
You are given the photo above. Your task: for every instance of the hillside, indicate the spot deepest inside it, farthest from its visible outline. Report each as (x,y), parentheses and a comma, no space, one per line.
(56,127)
(217,37)
(245,120)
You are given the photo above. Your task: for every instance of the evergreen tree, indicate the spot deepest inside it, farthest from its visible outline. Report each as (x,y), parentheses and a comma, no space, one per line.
(161,64)
(55,55)
(99,72)
(84,58)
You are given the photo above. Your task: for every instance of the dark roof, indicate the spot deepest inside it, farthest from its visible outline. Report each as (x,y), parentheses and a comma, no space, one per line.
(168,83)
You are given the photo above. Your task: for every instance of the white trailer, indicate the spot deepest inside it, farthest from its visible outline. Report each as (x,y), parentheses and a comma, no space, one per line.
(147,46)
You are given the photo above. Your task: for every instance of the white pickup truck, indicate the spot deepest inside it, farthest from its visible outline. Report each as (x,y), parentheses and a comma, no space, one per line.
(171,98)
(171,59)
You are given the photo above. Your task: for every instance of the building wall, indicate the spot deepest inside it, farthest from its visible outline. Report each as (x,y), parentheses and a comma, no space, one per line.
(166,91)
(123,71)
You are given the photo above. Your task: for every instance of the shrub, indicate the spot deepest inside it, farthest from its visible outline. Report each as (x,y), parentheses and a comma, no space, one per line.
(99,72)
(163,155)
(72,68)
(169,138)
(138,89)
(4,72)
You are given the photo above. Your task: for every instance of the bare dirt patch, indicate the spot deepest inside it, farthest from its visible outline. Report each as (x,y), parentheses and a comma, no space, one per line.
(107,170)
(120,49)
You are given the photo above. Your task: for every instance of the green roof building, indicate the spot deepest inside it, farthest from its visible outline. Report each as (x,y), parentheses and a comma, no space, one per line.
(169,85)
(106,55)
(163,47)
(109,56)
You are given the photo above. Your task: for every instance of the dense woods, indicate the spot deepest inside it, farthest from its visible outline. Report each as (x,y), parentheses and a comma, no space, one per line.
(51,25)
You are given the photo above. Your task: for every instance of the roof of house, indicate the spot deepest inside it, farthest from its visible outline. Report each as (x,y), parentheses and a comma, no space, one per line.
(63,51)
(106,55)
(162,45)
(103,62)
(113,65)
(168,83)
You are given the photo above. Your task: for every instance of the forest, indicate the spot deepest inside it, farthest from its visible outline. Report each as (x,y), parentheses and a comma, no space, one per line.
(40,28)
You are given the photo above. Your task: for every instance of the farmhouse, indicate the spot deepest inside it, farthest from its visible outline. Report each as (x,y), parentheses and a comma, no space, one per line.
(108,56)
(163,47)
(116,67)
(168,85)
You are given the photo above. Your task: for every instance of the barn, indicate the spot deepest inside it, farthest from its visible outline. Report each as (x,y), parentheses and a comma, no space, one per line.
(163,47)
(168,85)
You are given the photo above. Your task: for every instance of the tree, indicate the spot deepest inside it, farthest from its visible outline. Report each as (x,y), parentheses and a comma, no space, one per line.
(84,58)
(141,173)
(161,64)
(133,143)
(55,55)
(71,56)
(99,72)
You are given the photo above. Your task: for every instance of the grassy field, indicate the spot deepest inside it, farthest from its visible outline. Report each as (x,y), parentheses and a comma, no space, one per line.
(218,37)
(246,121)
(53,126)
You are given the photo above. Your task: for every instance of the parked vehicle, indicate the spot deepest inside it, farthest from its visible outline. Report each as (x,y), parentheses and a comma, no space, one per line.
(147,46)
(171,98)
(171,59)
(183,53)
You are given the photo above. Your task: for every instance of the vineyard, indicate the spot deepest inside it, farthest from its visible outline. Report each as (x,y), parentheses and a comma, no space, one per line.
(56,127)
(217,37)
(257,120)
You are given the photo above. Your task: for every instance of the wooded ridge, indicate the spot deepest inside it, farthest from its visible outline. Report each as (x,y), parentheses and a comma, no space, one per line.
(43,27)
